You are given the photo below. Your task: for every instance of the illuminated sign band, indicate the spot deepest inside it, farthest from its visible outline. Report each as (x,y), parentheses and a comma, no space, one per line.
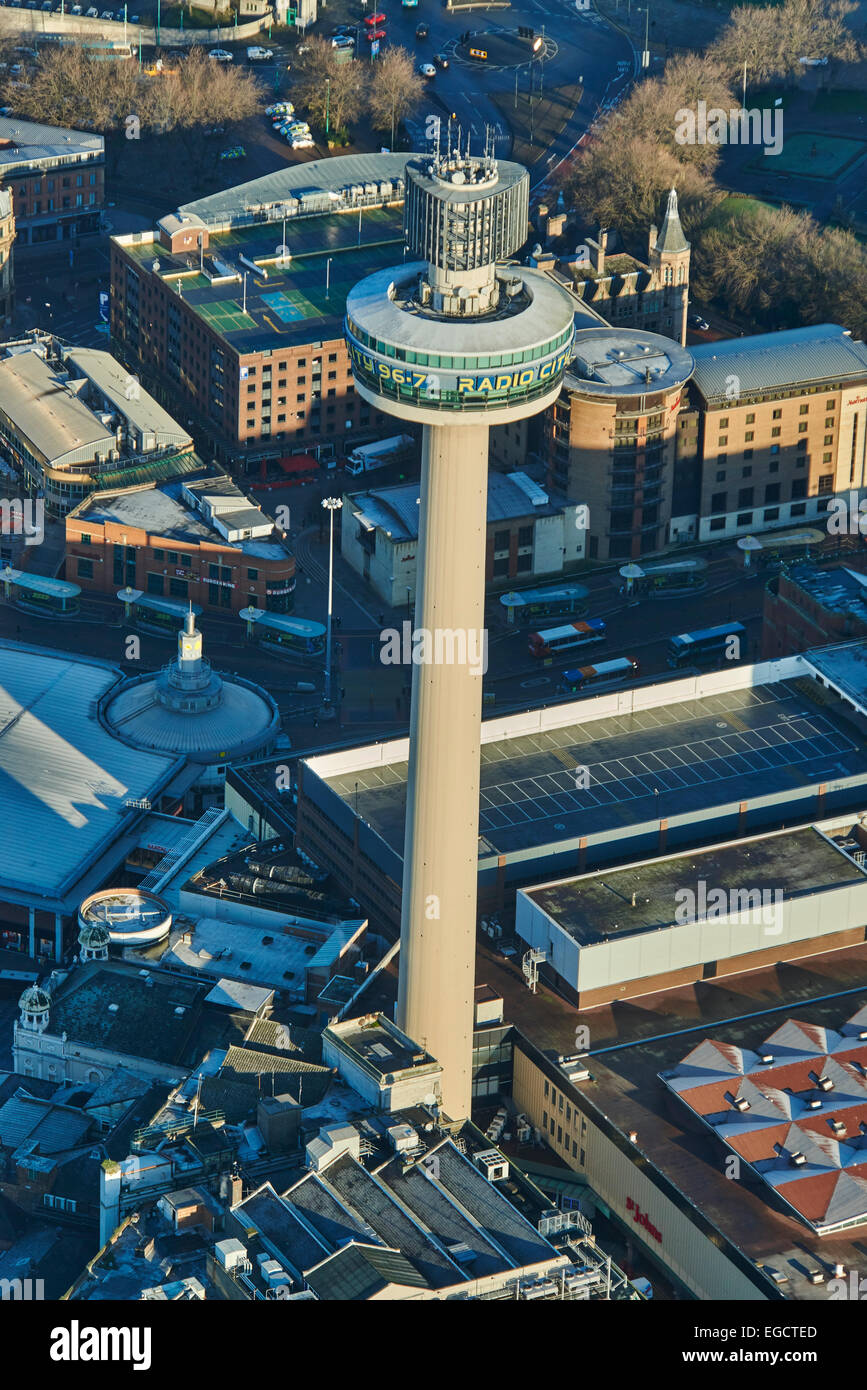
(434,383)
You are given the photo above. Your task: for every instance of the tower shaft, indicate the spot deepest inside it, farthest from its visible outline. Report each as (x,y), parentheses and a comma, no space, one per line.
(440,878)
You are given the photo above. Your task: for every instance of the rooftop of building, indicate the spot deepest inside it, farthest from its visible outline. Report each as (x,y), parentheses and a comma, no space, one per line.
(626,362)
(67,784)
(394,510)
(23,141)
(632,1042)
(272,956)
(843,667)
(684,751)
(46,411)
(380,1045)
(269,875)
(286,304)
(795,1109)
(646,896)
(838,590)
(126,395)
(344,181)
(159,1017)
(162,511)
(822,353)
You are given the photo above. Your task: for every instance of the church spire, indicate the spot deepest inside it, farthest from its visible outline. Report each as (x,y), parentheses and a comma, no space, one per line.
(671,238)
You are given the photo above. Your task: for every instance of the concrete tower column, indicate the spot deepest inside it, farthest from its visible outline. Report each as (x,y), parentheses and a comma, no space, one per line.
(440,875)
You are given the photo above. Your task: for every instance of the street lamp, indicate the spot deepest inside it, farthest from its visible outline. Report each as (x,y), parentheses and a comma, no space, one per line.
(327,105)
(331,505)
(328,277)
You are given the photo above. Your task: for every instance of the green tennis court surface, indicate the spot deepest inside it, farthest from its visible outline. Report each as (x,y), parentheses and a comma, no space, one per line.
(812,155)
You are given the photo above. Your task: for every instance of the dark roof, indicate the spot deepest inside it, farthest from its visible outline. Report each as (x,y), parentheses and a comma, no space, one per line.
(281,1230)
(51,1128)
(359,1271)
(145,1023)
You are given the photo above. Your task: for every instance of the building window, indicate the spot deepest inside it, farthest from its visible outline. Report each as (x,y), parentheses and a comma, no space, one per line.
(803,409)
(776,415)
(155,583)
(718,501)
(745,497)
(776,431)
(826,484)
(85,569)
(750,419)
(749,436)
(178,588)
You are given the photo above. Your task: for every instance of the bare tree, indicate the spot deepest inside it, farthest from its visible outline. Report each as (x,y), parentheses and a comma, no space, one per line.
(395,89)
(772,40)
(330,88)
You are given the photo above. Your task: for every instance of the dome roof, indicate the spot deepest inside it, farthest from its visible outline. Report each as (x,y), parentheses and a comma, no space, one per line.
(34,1000)
(94,935)
(190,710)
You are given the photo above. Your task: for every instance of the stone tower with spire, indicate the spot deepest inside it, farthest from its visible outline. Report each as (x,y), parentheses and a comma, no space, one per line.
(668,253)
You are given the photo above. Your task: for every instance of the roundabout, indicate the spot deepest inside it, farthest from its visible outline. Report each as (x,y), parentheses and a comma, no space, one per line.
(504,50)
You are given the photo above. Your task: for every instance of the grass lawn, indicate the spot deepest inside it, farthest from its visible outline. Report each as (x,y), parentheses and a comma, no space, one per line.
(737,208)
(841,103)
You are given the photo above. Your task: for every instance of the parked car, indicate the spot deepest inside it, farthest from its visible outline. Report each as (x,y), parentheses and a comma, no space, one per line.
(236,152)
(698,322)
(421,31)
(441,61)
(306,143)
(427,70)
(76,9)
(48,5)
(214,130)
(222,55)
(92,13)
(106,14)
(343,41)
(259,55)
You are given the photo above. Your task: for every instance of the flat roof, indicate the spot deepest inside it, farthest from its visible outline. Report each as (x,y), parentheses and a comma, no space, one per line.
(40,583)
(626,362)
(844,667)
(286,304)
(380,1044)
(596,907)
(702,744)
(275,956)
(64,777)
(839,590)
(822,352)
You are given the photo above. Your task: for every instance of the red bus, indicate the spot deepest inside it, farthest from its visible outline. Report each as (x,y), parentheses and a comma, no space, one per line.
(552,640)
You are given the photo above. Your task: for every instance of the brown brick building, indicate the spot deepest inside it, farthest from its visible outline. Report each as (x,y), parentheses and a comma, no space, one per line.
(611,445)
(197,540)
(807,607)
(772,427)
(244,340)
(56,178)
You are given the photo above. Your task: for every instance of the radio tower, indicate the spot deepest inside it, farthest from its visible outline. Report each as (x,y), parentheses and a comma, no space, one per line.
(455,340)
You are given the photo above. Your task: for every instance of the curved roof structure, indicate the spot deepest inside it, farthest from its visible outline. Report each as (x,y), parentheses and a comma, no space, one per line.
(187,709)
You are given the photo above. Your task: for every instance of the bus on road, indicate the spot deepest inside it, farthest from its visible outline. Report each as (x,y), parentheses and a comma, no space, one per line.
(622,668)
(532,604)
(552,640)
(708,644)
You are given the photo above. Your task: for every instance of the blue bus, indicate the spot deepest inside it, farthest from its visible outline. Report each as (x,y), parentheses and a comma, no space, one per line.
(620,669)
(709,643)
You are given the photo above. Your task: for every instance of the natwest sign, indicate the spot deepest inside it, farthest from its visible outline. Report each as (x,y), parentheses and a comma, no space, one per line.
(642,1219)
